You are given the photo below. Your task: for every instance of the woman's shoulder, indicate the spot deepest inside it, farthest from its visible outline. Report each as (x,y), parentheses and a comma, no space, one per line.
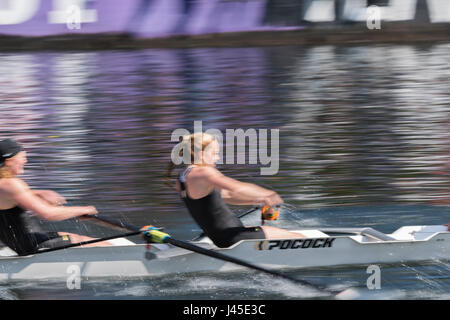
(203,171)
(12,185)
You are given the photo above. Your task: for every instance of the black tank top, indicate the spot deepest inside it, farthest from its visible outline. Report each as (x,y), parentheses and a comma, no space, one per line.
(15,231)
(210,212)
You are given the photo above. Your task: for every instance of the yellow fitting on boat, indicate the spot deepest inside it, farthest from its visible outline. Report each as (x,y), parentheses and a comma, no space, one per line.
(152,234)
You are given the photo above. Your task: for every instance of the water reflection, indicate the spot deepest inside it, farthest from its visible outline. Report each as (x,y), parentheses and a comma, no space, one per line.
(358,124)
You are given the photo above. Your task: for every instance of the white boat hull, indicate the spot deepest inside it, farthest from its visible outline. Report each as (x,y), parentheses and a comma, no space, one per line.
(419,243)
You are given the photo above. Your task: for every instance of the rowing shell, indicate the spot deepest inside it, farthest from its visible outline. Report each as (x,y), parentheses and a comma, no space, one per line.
(321,248)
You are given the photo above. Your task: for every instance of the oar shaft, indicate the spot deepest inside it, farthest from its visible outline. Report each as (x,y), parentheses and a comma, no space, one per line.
(210,253)
(115,223)
(217,255)
(83,243)
(248,212)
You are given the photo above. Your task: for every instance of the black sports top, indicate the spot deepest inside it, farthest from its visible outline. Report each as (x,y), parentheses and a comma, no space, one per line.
(15,231)
(211,213)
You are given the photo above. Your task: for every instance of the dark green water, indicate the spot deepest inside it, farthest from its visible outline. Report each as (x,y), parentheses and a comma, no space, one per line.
(364,141)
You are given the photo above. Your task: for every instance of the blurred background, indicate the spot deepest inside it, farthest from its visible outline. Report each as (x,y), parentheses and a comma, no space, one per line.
(364,125)
(163,18)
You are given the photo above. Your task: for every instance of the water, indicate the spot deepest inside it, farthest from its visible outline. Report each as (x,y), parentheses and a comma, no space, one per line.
(364,141)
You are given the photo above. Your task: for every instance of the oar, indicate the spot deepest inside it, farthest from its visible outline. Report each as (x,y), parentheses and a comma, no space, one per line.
(155,235)
(83,243)
(239,216)
(248,212)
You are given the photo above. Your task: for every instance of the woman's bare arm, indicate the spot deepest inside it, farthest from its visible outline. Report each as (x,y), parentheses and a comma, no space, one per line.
(236,192)
(20,192)
(50,196)
(232,198)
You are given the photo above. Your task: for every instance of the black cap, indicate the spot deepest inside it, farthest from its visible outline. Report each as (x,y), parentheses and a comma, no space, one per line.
(8,149)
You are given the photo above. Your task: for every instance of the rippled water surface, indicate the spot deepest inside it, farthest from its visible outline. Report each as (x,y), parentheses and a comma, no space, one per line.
(364,141)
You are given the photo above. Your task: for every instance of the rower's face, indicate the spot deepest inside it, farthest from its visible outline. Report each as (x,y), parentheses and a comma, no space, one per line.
(16,164)
(211,154)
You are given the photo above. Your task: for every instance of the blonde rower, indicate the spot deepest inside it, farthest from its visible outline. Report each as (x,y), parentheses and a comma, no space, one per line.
(206,193)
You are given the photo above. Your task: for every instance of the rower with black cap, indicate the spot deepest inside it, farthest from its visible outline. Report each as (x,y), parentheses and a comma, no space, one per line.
(17,230)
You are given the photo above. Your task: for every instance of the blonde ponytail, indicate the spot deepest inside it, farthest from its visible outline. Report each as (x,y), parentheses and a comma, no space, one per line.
(194,142)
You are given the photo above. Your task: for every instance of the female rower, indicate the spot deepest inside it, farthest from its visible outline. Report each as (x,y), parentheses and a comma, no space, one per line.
(16,198)
(205,191)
